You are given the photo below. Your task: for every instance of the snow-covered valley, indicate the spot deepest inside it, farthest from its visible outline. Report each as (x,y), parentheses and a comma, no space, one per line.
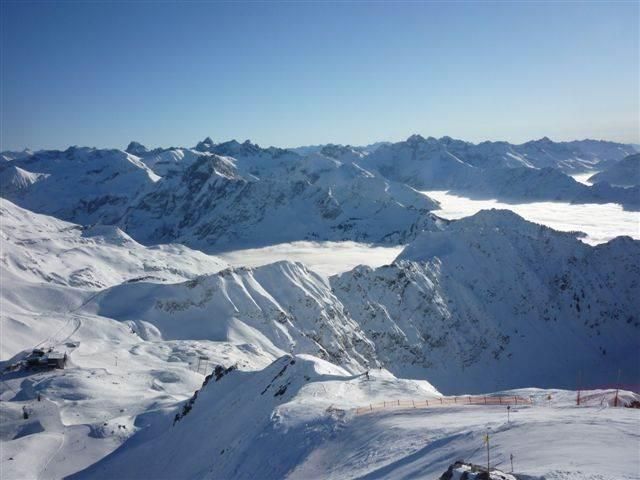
(301,289)
(325,258)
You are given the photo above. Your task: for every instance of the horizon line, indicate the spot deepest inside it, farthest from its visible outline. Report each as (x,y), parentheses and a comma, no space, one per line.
(312,145)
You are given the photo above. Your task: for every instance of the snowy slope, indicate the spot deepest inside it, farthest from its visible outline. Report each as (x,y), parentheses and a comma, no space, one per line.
(255,423)
(116,381)
(282,307)
(625,173)
(473,307)
(9,155)
(470,307)
(421,163)
(39,248)
(574,156)
(165,162)
(294,419)
(83,185)
(532,171)
(49,268)
(216,203)
(115,384)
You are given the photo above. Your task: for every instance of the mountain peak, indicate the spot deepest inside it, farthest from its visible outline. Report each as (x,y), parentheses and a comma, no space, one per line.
(415,138)
(205,145)
(136,148)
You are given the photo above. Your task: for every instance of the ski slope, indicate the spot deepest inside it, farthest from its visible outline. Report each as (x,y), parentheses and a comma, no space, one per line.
(295,419)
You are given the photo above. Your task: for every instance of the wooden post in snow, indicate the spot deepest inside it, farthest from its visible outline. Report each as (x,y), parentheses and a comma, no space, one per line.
(486,440)
(615,400)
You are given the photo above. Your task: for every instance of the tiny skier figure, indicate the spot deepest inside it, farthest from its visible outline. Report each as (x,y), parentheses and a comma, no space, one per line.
(367,374)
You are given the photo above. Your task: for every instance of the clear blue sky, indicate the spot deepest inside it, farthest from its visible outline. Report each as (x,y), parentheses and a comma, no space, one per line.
(287,74)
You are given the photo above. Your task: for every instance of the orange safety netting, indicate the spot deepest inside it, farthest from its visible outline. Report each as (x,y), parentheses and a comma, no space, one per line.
(438,401)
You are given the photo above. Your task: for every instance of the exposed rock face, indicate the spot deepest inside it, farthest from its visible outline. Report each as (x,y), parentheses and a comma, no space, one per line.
(468,471)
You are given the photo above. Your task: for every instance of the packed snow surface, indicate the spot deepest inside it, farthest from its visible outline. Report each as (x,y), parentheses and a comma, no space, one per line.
(600,222)
(296,419)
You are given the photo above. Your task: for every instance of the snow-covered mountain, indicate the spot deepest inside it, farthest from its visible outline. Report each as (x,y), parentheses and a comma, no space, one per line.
(422,163)
(297,419)
(283,307)
(216,201)
(574,156)
(254,423)
(309,149)
(39,248)
(83,185)
(240,194)
(251,158)
(256,196)
(569,157)
(477,305)
(9,155)
(469,305)
(527,172)
(48,265)
(480,304)
(169,161)
(625,173)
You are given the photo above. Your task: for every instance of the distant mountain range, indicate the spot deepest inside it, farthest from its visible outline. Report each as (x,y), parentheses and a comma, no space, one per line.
(625,173)
(217,195)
